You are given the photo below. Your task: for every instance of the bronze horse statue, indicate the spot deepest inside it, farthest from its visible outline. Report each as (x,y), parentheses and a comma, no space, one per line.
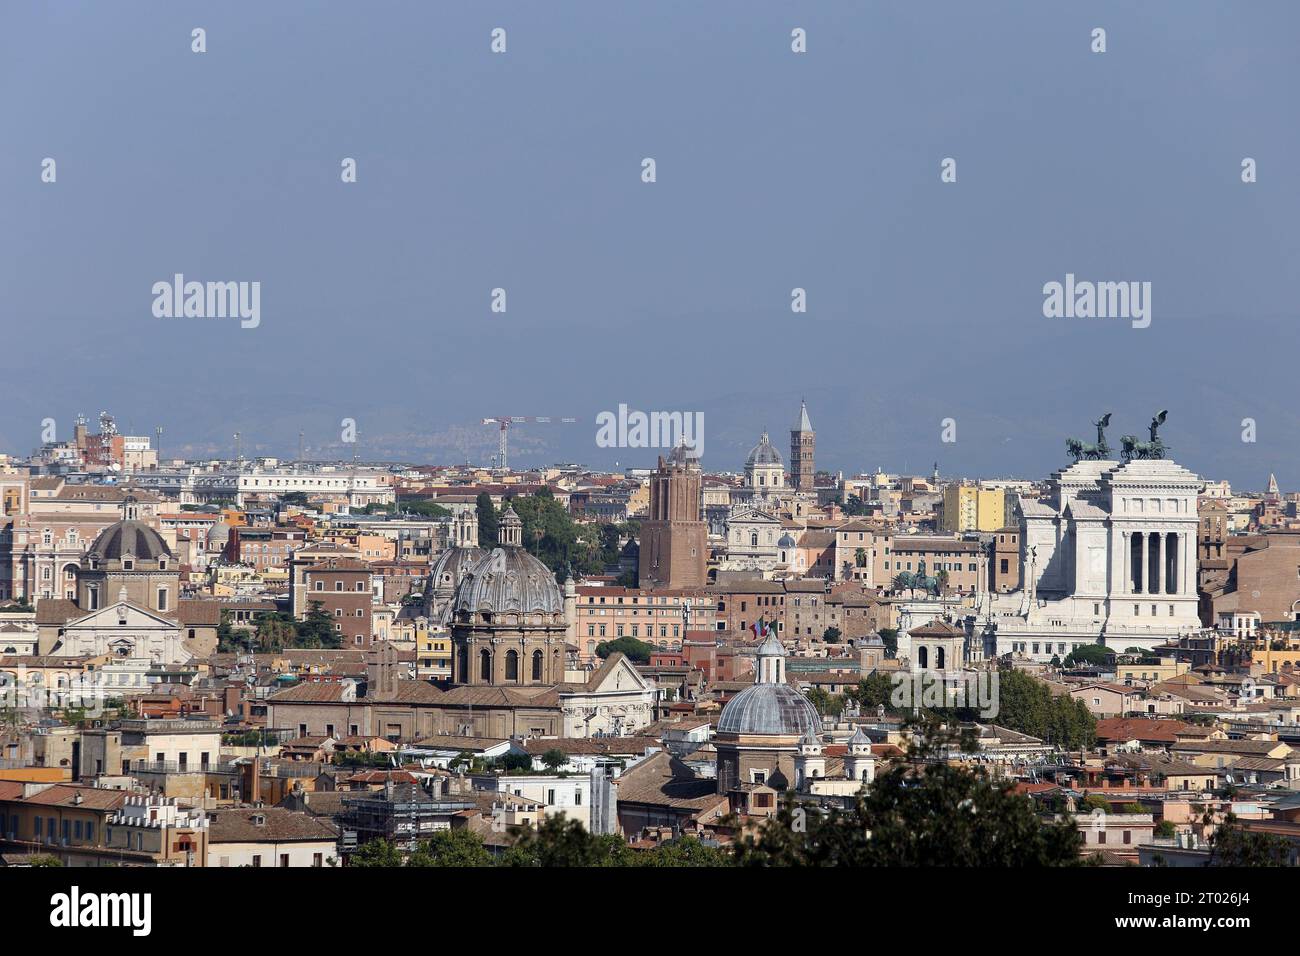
(1153,449)
(1095,452)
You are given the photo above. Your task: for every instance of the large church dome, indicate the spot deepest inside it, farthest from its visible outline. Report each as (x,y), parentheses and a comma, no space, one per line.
(764,453)
(451,566)
(130,538)
(508,579)
(769,710)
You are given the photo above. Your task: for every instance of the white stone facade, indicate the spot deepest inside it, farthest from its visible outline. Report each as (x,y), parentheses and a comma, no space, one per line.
(1108,556)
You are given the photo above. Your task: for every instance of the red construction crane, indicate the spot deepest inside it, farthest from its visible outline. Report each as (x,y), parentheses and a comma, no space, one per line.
(503,422)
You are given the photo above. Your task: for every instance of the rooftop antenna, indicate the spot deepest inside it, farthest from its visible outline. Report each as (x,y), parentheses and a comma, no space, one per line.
(158,442)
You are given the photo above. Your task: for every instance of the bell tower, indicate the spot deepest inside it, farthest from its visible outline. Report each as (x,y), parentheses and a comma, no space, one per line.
(803,447)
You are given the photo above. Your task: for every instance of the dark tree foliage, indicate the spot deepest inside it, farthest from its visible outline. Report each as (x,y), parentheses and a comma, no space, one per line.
(451,848)
(637,651)
(317,630)
(377,853)
(554,538)
(872,691)
(514,762)
(1234,845)
(560,842)
(425,508)
(488,528)
(921,812)
(826,702)
(1026,705)
(1094,654)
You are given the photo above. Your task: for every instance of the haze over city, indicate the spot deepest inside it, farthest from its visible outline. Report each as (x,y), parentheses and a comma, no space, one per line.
(774,172)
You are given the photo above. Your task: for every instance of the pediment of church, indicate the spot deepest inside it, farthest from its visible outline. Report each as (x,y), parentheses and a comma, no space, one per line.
(620,678)
(122,614)
(749,516)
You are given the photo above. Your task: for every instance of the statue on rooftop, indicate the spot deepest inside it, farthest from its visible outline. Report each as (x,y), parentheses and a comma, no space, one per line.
(1155,448)
(1095,452)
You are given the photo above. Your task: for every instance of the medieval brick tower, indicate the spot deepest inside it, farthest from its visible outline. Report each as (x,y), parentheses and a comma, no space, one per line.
(803,445)
(674,538)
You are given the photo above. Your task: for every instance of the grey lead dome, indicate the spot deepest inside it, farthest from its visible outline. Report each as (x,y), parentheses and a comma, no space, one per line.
(509,579)
(765,453)
(134,538)
(769,709)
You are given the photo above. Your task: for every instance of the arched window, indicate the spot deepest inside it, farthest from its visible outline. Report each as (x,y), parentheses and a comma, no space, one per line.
(923,657)
(485,665)
(938,657)
(537,665)
(512,665)
(753,540)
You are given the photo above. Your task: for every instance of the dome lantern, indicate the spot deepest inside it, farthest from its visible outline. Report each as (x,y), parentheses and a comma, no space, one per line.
(511,533)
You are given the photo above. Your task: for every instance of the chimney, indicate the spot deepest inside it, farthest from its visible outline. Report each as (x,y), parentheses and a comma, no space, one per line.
(255,785)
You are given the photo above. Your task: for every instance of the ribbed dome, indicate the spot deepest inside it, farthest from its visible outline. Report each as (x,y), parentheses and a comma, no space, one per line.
(786,542)
(134,538)
(509,579)
(451,566)
(765,453)
(769,710)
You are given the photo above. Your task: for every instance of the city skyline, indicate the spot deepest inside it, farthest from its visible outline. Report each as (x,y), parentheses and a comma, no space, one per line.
(534,446)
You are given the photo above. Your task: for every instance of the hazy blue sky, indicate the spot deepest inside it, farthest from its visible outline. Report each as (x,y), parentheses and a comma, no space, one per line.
(775,170)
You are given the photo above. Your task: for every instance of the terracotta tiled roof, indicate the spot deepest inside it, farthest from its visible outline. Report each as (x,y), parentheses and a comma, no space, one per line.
(239,825)
(1126,728)
(67,795)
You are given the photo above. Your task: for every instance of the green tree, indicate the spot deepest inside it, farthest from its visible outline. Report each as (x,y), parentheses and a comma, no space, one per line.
(919,812)
(826,703)
(637,651)
(515,762)
(377,853)
(561,842)
(872,691)
(1092,654)
(461,847)
(426,508)
(555,539)
(890,636)
(1026,705)
(1234,845)
(487,520)
(274,631)
(228,642)
(853,506)
(832,635)
(685,851)
(554,759)
(317,629)
(1095,801)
